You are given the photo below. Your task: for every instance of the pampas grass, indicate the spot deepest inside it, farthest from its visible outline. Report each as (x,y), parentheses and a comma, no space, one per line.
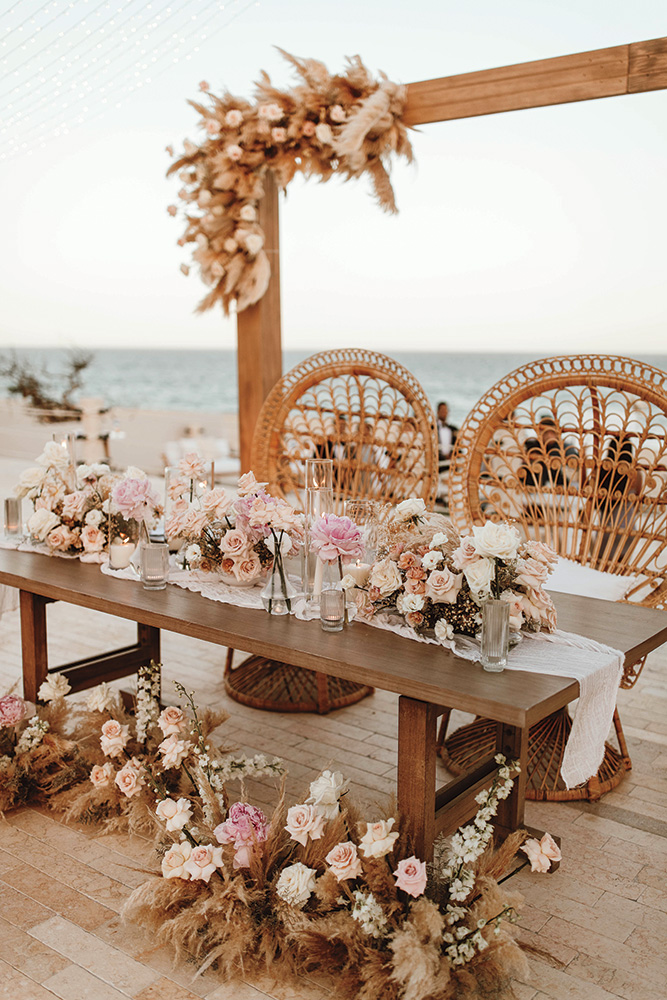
(348,124)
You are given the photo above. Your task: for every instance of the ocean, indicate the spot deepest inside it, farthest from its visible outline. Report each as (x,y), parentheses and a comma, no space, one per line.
(205,380)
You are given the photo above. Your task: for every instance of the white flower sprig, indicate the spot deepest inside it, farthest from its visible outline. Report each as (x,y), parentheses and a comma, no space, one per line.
(369,914)
(149,684)
(32,736)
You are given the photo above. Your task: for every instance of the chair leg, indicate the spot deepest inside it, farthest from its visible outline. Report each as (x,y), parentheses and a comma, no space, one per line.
(228,661)
(442,730)
(622,745)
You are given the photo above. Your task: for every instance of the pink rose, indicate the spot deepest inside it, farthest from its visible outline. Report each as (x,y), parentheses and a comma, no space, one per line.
(537,604)
(443,586)
(415,586)
(334,537)
(102,775)
(216,503)
(113,738)
(234,542)
(92,538)
(541,552)
(248,484)
(171,720)
(12,710)
(541,853)
(531,573)
(233,118)
(74,503)
(304,822)
(194,522)
(203,861)
(415,573)
(62,538)
(344,862)
(192,466)
(174,751)
(247,568)
(411,876)
(279,135)
(308,129)
(129,779)
(408,560)
(465,554)
(135,498)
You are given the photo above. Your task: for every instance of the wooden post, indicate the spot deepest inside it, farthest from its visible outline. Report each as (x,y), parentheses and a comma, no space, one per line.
(259,352)
(416,772)
(33,642)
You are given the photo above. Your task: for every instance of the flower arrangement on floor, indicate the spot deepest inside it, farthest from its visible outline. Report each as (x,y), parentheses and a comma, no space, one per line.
(347,124)
(39,754)
(315,887)
(437,581)
(155,753)
(241,539)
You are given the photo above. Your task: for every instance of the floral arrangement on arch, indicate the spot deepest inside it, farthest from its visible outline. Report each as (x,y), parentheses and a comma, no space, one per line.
(237,538)
(348,124)
(317,887)
(437,581)
(154,754)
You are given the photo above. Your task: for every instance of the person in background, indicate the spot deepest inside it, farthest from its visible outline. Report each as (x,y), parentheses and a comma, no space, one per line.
(446,434)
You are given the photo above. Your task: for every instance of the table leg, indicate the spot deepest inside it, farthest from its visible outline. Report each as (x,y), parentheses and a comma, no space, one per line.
(416,772)
(512,741)
(33,642)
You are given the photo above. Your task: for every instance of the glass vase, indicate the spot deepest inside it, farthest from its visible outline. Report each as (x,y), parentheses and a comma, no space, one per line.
(318,501)
(278,594)
(124,534)
(495,635)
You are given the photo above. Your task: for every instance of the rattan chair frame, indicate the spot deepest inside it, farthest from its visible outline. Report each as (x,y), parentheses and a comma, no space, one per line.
(600,500)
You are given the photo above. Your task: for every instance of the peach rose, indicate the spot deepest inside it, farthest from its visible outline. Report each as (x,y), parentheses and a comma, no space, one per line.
(92,538)
(344,862)
(234,543)
(378,840)
(203,861)
(129,779)
(411,876)
(102,774)
(171,720)
(173,863)
(304,822)
(113,738)
(443,586)
(408,560)
(174,813)
(541,853)
(173,751)
(247,568)
(192,466)
(415,587)
(531,572)
(465,554)
(74,503)
(386,577)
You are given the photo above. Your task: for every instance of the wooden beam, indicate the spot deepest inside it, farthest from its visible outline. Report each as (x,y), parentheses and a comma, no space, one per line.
(259,351)
(623,69)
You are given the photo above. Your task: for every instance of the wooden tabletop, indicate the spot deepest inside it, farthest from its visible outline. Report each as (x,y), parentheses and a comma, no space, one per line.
(360,653)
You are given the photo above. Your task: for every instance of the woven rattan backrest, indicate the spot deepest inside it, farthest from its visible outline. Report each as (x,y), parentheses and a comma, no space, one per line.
(363,410)
(574,451)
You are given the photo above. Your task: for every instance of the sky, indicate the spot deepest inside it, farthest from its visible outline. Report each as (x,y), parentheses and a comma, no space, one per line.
(538,230)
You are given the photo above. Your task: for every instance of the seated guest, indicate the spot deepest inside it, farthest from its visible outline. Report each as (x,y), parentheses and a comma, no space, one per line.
(446,434)
(541,451)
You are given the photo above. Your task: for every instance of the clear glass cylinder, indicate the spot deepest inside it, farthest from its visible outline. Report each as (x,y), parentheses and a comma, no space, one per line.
(13,519)
(495,635)
(319,474)
(279,594)
(123,535)
(318,502)
(332,610)
(154,565)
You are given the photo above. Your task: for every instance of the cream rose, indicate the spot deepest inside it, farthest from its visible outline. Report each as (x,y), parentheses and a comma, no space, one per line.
(61,538)
(30,481)
(101,698)
(92,539)
(443,630)
(413,507)
(102,775)
(431,559)
(541,853)
(234,543)
(42,522)
(55,686)
(541,552)
(113,738)
(325,792)
(344,861)
(94,518)
(304,822)
(174,813)
(531,572)
(443,586)
(173,863)
(386,577)
(479,576)
(378,840)
(247,568)
(173,751)
(74,503)
(407,603)
(171,720)
(54,456)
(296,883)
(496,541)
(203,861)
(129,779)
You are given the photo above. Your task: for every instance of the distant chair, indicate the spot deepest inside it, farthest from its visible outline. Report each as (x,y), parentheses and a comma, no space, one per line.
(369,415)
(573,451)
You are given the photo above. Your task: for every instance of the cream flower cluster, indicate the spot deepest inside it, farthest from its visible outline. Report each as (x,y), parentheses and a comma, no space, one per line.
(148,699)
(369,914)
(32,735)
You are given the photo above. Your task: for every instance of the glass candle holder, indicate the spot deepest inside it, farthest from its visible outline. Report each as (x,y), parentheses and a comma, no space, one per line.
(154,565)
(495,635)
(319,474)
(332,610)
(123,539)
(13,526)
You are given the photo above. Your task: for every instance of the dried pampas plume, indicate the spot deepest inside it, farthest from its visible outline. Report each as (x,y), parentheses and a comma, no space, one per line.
(347,124)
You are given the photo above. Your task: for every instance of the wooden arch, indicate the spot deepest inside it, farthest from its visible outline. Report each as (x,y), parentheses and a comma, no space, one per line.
(623,69)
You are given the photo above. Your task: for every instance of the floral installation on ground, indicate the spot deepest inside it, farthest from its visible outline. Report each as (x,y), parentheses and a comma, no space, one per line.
(437,581)
(315,886)
(347,124)
(40,753)
(158,752)
(240,539)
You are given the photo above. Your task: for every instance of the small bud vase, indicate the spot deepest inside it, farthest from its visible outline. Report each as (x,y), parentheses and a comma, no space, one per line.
(495,635)
(278,594)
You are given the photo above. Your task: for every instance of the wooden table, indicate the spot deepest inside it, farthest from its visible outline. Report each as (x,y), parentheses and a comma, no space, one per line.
(424,676)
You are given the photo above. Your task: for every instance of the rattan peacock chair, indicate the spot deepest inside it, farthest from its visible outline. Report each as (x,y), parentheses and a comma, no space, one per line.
(573,450)
(370,415)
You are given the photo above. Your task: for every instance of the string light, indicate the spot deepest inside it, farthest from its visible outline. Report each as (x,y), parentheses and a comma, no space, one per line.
(107,79)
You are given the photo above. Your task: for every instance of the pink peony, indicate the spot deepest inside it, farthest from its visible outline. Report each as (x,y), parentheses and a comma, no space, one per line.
(12,710)
(245,828)
(411,876)
(135,498)
(334,537)
(541,853)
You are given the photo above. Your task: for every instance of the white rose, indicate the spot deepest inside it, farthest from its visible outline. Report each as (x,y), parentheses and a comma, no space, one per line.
(174,751)
(443,630)
(174,813)
(378,841)
(42,522)
(496,541)
(386,576)
(440,538)
(203,861)
(414,507)
(348,582)
(325,792)
(324,134)
(192,555)
(30,481)
(94,518)
(431,559)
(101,698)
(296,883)
(55,686)
(54,456)
(409,602)
(173,863)
(480,575)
